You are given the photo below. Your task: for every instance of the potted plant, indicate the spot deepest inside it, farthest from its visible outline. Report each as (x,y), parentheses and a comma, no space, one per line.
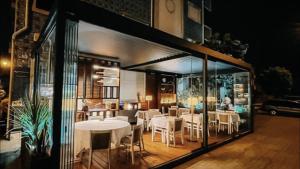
(35,119)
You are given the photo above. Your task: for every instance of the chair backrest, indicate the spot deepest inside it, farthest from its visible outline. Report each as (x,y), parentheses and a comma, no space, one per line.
(224,117)
(212,116)
(141,115)
(153,109)
(177,124)
(172,111)
(136,133)
(100,140)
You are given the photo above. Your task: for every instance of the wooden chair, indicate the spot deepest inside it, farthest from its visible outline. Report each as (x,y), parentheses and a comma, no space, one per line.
(172,112)
(175,127)
(141,123)
(141,115)
(100,140)
(198,126)
(159,130)
(133,140)
(224,121)
(212,120)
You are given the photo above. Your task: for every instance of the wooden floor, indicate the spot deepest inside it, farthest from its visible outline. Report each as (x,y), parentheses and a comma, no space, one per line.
(155,153)
(275,144)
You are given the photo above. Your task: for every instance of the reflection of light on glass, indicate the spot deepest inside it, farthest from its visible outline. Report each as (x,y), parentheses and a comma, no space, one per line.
(102,67)
(129,106)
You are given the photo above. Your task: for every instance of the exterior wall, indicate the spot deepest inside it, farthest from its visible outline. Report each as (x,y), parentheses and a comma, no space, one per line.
(139,10)
(24,47)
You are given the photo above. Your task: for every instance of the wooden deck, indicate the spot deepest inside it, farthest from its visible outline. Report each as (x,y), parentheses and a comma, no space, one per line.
(155,153)
(275,144)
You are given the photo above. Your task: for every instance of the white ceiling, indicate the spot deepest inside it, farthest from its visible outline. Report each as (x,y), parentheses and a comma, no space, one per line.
(133,51)
(130,50)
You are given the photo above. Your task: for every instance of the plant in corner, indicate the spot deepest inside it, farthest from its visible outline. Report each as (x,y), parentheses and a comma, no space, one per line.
(35,119)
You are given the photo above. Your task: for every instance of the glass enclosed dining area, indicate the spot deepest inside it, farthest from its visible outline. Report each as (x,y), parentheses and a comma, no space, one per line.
(128,102)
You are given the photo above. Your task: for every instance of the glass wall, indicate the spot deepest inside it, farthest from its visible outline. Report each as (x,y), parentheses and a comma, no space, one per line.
(228,101)
(45,87)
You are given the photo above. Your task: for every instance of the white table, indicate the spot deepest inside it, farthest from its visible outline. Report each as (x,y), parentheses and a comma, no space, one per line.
(197,119)
(234,118)
(83,130)
(160,122)
(148,115)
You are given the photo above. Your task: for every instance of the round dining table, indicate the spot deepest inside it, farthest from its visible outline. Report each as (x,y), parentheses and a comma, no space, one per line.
(83,130)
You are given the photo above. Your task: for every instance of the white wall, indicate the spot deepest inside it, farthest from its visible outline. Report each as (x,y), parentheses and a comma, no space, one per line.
(130,84)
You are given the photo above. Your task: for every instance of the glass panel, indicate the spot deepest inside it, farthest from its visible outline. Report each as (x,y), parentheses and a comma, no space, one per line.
(228,101)
(69,94)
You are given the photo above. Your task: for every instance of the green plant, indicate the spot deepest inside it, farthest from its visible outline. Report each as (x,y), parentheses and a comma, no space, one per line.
(35,119)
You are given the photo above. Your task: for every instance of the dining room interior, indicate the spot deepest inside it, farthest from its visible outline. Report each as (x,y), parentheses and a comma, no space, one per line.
(149,103)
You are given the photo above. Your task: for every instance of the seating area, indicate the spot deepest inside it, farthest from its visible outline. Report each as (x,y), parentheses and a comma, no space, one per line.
(137,142)
(149,112)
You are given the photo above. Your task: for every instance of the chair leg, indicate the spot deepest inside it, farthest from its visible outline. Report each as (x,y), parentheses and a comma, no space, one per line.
(174,140)
(108,158)
(140,149)
(142,139)
(132,155)
(198,132)
(182,139)
(153,134)
(168,139)
(90,159)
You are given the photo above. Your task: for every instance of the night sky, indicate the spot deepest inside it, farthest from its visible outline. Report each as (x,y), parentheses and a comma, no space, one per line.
(272,29)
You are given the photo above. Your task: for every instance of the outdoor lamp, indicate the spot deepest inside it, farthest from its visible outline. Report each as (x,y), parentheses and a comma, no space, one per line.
(148,98)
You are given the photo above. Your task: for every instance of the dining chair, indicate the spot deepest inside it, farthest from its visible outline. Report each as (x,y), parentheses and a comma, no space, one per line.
(100,140)
(212,120)
(235,122)
(172,111)
(133,140)
(224,121)
(159,130)
(142,115)
(198,126)
(175,126)
(141,122)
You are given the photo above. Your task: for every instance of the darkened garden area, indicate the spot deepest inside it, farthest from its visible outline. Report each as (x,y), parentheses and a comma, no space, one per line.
(272,31)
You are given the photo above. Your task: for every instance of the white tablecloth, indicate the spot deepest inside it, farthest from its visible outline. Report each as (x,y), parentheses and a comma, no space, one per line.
(82,132)
(161,121)
(148,115)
